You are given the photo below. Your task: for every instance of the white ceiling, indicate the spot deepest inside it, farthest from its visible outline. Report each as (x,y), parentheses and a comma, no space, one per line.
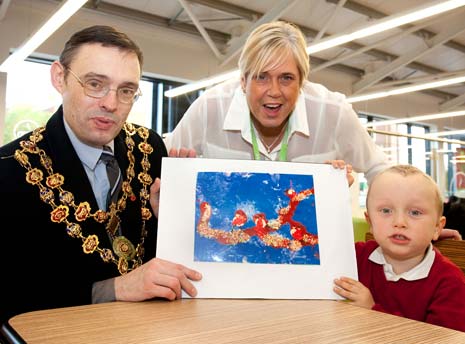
(422,51)
(224,25)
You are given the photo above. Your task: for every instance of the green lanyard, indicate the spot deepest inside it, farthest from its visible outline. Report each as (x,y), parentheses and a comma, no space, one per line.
(282,151)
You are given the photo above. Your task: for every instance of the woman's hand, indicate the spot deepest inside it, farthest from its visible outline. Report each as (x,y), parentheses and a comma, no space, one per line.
(182,153)
(154,197)
(340,164)
(447,233)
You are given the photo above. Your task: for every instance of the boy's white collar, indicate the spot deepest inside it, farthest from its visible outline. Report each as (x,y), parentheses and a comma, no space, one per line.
(418,272)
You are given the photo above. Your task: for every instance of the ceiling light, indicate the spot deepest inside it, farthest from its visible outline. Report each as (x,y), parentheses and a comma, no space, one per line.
(421,12)
(406,89)
(416,118)
(174,92)
(385,24)
(56,20)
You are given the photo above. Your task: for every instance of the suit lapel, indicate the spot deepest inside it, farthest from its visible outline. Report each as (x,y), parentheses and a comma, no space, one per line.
(66,161)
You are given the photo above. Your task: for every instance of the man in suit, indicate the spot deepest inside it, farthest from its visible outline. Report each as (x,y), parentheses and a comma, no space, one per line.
(454,211)
(62,242)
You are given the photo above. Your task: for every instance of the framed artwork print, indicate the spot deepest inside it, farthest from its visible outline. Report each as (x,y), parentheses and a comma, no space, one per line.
(257,229)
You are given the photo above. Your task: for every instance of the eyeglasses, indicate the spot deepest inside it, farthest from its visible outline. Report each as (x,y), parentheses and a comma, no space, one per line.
(96,88)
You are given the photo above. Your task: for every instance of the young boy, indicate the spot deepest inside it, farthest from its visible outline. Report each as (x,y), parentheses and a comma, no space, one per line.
(401,272)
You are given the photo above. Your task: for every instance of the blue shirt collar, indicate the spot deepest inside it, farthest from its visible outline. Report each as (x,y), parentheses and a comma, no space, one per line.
(88,155)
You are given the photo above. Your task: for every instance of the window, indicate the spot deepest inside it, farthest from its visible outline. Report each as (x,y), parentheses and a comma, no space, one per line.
(169,111)
(454,162)
(31,99)
(399,149)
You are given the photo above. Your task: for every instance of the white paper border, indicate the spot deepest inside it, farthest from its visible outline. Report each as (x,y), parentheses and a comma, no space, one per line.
(176,232)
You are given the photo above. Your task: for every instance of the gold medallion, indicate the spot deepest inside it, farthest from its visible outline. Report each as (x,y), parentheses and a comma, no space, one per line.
(123,248)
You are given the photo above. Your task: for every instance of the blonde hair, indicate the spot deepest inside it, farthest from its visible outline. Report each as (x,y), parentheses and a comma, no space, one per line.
(409,170)
(269,45)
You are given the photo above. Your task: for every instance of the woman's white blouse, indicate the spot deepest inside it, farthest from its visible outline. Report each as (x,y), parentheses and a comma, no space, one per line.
(323,126)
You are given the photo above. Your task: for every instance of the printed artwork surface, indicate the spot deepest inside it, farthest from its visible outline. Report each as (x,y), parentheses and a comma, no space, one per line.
(246,217)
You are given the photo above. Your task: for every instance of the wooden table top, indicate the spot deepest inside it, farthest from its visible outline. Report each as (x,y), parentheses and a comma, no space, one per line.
(226,321)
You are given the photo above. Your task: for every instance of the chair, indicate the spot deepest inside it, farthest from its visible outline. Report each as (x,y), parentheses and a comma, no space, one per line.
(452,249)
(9,336)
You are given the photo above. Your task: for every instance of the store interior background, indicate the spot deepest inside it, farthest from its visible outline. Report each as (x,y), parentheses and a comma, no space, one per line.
(187,40)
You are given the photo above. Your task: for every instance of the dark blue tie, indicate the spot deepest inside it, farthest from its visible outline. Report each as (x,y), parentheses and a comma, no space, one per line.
(113,173)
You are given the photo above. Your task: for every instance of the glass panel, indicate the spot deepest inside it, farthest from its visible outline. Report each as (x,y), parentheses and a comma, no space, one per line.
(418,148)
(30,99)
(362,182)
(172,109)
(403,147)
(456,171)
(141,112)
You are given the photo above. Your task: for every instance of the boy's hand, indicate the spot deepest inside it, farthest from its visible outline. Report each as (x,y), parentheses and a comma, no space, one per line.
(354,291)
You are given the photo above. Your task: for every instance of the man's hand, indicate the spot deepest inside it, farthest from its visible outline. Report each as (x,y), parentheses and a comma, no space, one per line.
(340,164)
(156,278)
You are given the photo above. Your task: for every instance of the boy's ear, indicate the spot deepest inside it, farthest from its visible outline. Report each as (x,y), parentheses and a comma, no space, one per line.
(439,227)
(367,218)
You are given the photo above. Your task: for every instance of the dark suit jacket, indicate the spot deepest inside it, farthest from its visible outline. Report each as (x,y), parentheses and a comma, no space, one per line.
(454,211)
(42,266)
